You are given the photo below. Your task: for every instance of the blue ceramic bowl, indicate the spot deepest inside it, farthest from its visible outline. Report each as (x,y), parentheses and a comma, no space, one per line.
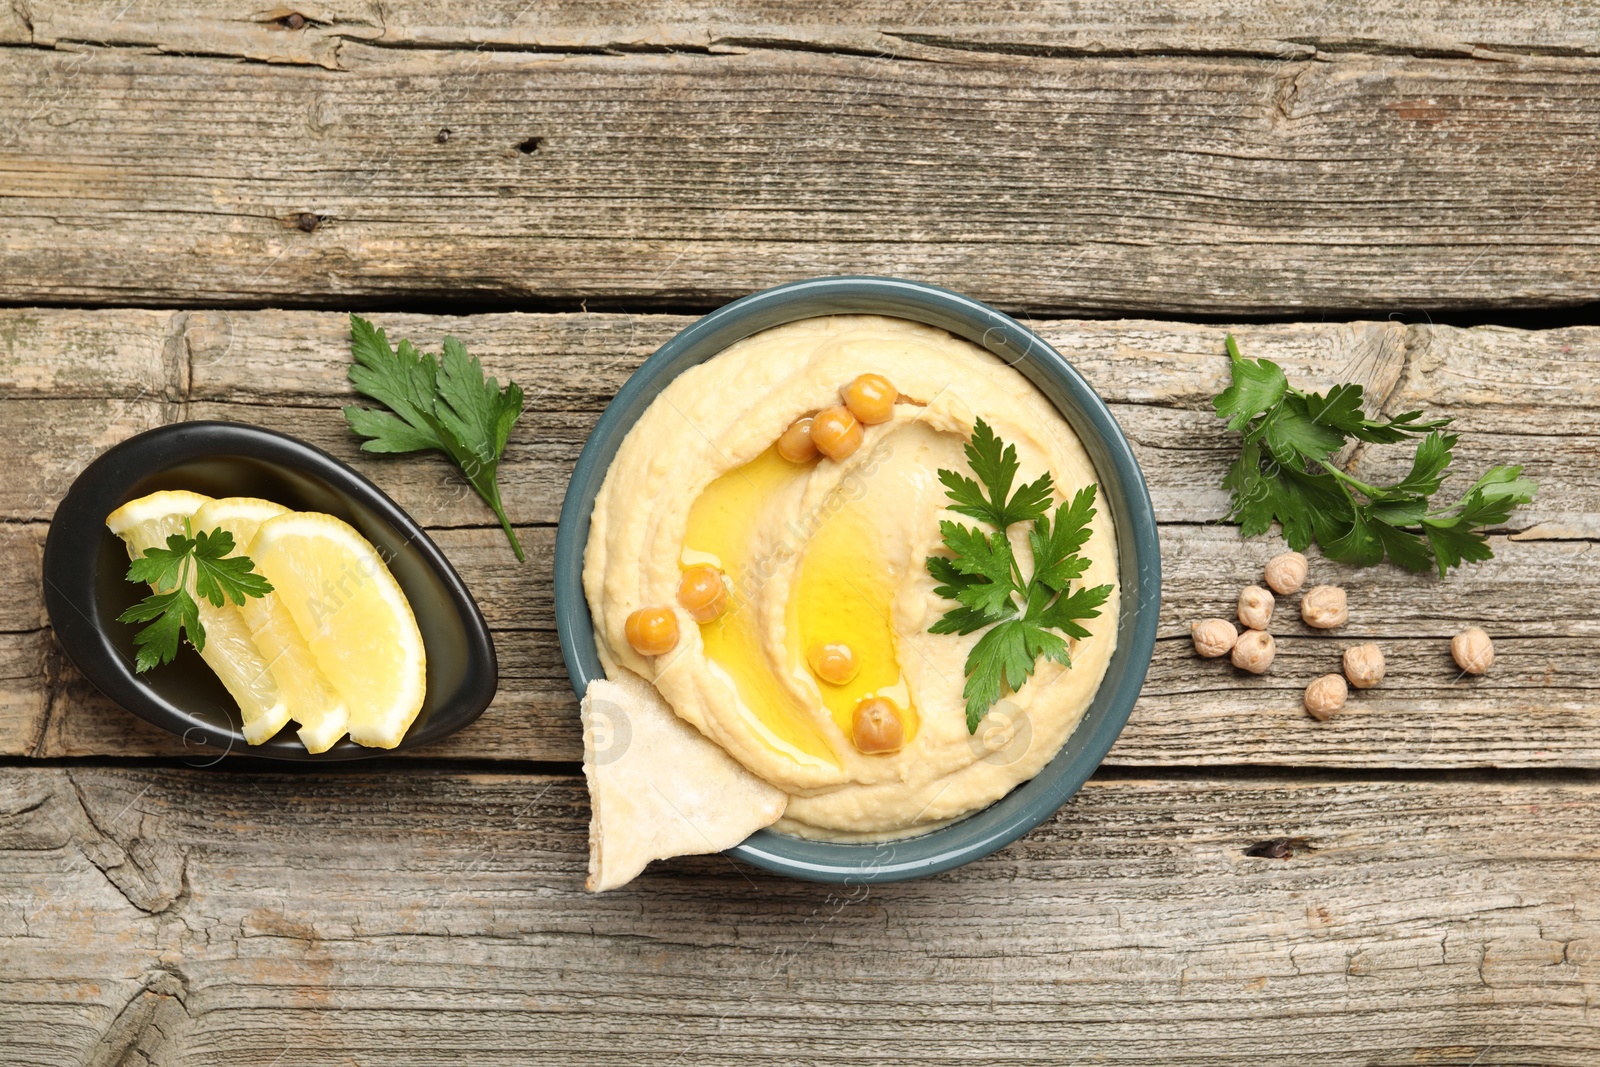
(1122,489)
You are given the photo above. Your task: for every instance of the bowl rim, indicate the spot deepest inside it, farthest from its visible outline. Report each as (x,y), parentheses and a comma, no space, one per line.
(1028,804)
(74,527)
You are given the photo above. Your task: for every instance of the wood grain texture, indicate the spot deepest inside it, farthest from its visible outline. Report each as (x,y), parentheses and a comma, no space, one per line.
(1517,395)
(1053,156)
(1198,184)
(896,27)
(1539,707)
(1522,396)
(212,918)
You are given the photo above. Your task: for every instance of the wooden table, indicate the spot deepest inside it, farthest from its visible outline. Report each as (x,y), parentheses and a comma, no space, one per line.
(196,192)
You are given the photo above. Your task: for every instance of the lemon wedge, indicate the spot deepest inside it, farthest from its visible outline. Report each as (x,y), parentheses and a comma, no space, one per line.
(230,649)
(353,616)
(310,698)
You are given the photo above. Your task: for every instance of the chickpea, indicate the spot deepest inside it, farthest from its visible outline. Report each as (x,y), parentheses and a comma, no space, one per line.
(1254,651)
(1324,607)
(795,444)
(652,631)
(836,433)
(1213,637)
(1472,650)
(833,661)
(1363,665)
(1325,696)
(702,592)
(870,398)
(876,727)
(1255,607)
(1286,573)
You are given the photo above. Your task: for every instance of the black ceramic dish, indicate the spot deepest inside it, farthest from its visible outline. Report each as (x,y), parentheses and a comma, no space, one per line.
(85,590)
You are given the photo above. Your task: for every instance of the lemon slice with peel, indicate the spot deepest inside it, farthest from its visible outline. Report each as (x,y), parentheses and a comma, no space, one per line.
(230,649)
(353,616)
(156,516)
(310,698)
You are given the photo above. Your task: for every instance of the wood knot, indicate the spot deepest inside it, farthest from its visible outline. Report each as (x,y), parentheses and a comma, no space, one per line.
(285,18)
(306,222)
(1279,848)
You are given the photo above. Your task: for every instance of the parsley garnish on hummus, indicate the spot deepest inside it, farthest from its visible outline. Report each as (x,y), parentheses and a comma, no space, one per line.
(1030,616)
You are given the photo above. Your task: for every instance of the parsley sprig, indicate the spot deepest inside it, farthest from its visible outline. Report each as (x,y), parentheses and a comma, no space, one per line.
(1285,473)
(218,577)
(1031,615)
(444,404)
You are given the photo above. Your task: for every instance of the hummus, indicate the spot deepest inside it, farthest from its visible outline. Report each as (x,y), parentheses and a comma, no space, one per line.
(831,551)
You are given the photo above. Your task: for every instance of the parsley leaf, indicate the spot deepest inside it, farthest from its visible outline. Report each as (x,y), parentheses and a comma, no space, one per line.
(1257,386)
(445,405)
(219,576)
(1026,618)
(161,567)
(172,613)
(987,561)
(995,464)
(200,565)
(1056,545)
(1285,473)
(1291,433)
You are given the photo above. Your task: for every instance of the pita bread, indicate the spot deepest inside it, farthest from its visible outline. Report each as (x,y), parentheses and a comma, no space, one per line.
(657,786)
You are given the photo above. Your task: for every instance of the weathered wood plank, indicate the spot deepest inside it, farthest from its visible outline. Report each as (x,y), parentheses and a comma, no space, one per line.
(899,27)
(1518,395)
(116,354)
(1188,184)
(320,918)
(1539,707)
(25,685)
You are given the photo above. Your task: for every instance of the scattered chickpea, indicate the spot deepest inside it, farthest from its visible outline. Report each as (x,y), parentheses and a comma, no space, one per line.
(702,592)
(795,444)
(1325,696)
(1255,607)
(1286,573)
(876,727)
(836,433)
(1324,607)
(833,661)
(1254,651)
(1472,650)
(1363,665)
(652,631)
(1213,637)
(870,398)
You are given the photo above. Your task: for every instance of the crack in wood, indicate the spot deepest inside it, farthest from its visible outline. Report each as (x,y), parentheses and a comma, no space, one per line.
(1280,848)
(179,362)
(897,44)
(52,682)
(149,1025)
(150,875)
(24,14)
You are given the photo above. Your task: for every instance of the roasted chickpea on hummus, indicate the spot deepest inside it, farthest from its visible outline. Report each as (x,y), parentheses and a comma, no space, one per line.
(757,553)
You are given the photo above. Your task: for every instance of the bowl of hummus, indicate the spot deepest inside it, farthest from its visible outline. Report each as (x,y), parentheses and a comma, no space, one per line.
(858,580)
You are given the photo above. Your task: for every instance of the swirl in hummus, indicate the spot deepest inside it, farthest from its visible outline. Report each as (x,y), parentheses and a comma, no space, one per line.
(828,551)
